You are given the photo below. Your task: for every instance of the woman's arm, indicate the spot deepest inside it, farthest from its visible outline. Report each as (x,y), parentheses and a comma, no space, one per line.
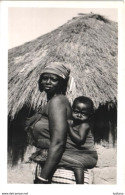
(82,133)
(58,133)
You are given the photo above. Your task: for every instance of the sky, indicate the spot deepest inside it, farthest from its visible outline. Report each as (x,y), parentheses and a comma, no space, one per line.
(26,24)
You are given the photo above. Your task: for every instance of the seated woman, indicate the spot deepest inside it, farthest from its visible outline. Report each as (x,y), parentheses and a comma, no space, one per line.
(53,121)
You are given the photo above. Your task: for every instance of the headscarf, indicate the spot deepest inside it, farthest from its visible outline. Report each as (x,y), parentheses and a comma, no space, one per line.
(57,68)
(62,70)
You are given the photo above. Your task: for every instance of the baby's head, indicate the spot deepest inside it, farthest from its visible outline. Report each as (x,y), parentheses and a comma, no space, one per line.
(82,109)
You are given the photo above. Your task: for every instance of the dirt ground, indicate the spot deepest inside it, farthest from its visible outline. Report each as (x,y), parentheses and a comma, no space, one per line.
(22,174)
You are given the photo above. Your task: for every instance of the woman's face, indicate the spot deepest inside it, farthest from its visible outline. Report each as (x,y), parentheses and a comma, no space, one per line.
(49,82)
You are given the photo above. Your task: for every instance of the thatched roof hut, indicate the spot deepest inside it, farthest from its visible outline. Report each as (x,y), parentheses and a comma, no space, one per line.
(87,42)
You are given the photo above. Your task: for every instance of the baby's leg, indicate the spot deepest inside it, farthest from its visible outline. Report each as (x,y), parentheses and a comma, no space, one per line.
(79,175)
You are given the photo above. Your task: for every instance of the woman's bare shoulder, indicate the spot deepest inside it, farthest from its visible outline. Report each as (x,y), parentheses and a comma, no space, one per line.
(60,99)
(59,104)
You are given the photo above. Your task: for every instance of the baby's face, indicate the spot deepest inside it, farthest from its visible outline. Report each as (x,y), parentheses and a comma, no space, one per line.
(80,112)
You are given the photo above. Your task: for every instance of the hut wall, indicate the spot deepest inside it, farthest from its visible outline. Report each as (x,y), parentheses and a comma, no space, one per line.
(17,137)
(105,134)
(105,127)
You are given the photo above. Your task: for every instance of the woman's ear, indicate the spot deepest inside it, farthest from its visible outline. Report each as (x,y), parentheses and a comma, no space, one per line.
(40,84)
(62,85)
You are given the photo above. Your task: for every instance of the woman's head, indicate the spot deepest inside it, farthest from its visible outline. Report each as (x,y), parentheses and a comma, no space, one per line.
(54,78)
(83,108)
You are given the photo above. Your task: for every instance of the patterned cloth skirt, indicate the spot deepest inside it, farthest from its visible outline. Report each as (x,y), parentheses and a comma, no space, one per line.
(62,176)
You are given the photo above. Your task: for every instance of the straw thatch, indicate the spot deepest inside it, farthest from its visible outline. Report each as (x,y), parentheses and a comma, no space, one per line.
(87,42)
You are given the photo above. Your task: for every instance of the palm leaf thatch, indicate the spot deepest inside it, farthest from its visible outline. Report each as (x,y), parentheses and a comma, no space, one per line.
(87,42)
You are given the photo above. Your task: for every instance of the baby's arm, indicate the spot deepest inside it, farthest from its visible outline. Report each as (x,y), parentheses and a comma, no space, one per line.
(82,133)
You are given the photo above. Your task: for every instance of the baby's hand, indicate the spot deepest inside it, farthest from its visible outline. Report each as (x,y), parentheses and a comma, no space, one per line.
(70,122)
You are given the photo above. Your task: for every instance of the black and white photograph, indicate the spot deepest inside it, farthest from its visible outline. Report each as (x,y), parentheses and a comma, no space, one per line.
(63,98)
